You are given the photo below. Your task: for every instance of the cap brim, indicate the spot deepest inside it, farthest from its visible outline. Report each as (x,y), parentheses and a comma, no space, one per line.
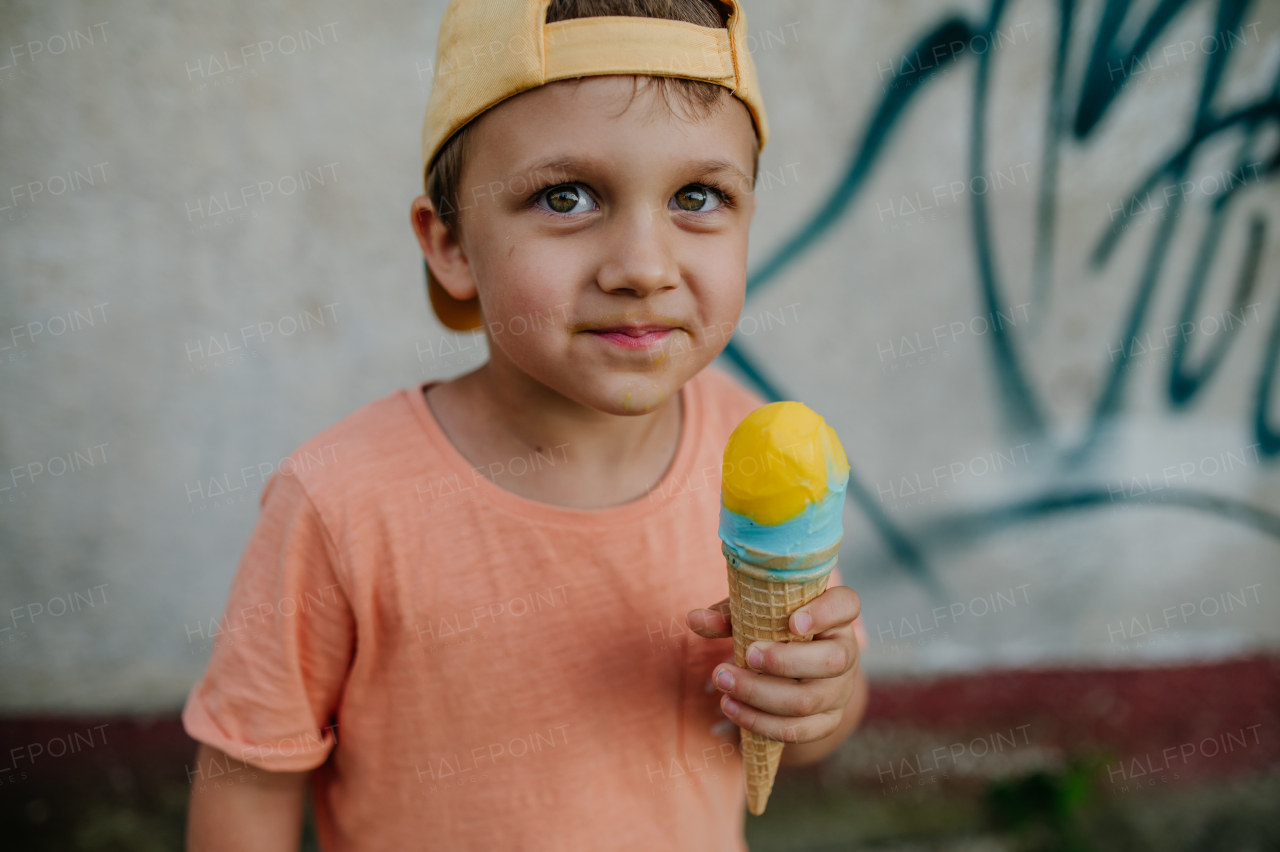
(454,313)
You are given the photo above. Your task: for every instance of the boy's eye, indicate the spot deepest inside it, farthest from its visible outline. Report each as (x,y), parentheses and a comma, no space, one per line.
(569,198)
(695,198)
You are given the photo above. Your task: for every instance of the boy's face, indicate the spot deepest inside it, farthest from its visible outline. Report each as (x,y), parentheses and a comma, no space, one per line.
(606,237)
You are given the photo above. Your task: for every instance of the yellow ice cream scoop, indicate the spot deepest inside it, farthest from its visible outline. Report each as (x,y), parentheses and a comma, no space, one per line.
(782,458)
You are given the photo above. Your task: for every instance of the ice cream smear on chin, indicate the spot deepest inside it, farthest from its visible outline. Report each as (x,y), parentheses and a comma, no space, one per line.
(784,479)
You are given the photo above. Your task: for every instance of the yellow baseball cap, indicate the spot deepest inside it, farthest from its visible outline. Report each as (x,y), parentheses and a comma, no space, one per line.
(490,50)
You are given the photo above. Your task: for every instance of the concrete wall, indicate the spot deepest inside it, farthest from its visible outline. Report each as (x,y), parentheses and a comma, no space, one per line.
(875,247)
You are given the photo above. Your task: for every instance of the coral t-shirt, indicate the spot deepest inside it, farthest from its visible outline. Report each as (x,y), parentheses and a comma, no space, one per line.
(465,668)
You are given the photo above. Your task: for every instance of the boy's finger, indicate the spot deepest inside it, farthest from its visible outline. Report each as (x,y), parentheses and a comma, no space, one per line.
(836,606)
(784,729)
(821,658)
(729,660)
(711,682)
(711,623)
(783,696)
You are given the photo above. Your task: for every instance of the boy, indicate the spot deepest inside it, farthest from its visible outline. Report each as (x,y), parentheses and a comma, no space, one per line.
(485,643)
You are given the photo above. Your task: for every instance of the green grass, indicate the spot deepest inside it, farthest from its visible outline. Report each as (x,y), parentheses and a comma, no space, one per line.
(1068,811)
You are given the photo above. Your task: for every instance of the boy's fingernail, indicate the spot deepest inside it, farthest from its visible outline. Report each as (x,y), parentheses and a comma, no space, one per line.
(723,728)
(755,658)
(803,622)
(724,680)
(729,706)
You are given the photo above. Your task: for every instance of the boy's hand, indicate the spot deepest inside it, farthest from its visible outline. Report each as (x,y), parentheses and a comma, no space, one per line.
(792,692)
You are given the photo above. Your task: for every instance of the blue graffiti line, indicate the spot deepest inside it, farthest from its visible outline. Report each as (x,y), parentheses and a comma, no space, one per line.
(1018,402)
(1046,208)
(959,528)
(1022,410)
(1268,436)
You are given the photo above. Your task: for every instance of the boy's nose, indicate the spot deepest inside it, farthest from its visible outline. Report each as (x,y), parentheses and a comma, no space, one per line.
(639,259)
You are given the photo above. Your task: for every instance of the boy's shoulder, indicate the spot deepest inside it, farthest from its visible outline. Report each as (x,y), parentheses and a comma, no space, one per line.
(382,441)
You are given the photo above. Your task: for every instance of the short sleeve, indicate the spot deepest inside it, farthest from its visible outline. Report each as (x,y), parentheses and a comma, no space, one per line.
(283,648)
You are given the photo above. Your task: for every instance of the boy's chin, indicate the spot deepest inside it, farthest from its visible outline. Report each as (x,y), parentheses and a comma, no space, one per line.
(629,396)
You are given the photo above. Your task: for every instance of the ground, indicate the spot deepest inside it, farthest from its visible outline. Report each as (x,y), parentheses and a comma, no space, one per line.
(134,800)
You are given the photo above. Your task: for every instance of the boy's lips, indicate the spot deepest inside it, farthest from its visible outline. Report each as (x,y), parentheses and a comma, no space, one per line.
(633,336)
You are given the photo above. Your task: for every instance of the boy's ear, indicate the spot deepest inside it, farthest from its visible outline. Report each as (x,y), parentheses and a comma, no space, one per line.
(443,251)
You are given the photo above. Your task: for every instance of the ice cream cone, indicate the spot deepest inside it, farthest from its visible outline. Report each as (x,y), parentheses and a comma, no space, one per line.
(781,504)
(760,608)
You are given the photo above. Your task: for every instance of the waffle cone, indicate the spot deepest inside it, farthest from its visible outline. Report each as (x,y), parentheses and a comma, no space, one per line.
(759,609)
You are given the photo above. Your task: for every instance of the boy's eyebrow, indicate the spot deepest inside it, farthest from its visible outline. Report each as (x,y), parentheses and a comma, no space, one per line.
(554,164)
(720,165)
(563,165)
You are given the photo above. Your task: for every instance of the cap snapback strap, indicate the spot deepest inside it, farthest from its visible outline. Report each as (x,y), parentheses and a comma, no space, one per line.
(585,47)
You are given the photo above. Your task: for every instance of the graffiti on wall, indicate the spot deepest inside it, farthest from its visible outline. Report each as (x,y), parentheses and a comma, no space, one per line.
(1076,122)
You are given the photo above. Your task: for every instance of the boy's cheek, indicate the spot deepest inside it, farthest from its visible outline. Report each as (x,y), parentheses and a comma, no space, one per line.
(526,291)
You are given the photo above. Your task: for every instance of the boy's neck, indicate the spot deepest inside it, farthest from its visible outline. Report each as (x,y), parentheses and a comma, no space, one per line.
(495,415)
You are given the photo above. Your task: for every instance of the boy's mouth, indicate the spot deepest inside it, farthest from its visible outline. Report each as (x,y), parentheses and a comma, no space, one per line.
(633,336)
